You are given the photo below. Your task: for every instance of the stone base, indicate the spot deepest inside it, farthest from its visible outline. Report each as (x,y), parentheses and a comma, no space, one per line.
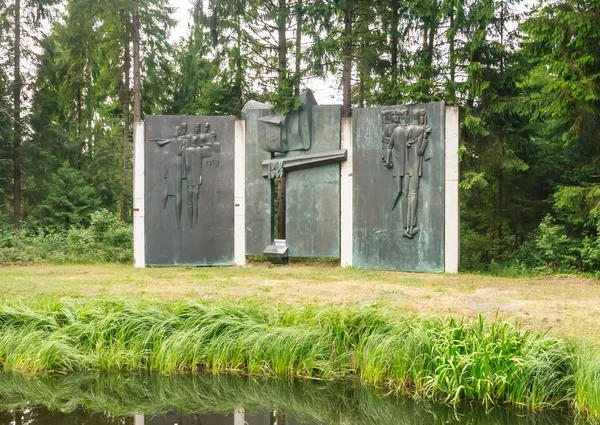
(278,252)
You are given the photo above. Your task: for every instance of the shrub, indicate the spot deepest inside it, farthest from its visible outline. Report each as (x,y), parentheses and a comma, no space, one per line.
(105,240)
(549,250)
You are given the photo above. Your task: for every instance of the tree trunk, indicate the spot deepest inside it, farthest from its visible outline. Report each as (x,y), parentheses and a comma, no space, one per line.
(239,70)
(395,38)
(451,43)
(430,47)
(502,37)
(126,118)
(282,44)
(79,112)
(298,45)
(282,67)
(16,154)
(347,68)
(500,201)
(137,78)
(361,87)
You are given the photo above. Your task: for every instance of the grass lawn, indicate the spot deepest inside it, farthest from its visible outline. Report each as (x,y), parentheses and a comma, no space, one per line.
(566,306)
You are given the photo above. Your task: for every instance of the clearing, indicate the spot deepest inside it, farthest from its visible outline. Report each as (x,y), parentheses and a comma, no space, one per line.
(566,306)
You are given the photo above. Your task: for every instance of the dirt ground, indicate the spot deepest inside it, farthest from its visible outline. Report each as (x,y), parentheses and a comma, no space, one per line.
(563,306)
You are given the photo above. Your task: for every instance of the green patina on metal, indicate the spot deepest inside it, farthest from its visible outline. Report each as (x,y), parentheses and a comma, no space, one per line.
(313,194)
(398,202)
(308,144)
(259,226)
(189,199)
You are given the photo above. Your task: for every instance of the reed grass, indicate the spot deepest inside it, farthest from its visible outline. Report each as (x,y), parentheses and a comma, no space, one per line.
(587,377)
(429,358)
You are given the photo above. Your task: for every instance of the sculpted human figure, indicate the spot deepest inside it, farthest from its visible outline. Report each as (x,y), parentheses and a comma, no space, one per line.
(397,149)
(174,171)
(386,136)
(202,145)
(408,143)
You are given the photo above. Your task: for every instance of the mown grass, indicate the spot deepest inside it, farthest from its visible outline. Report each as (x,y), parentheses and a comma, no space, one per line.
(568,307)
(307,401)
(438,359)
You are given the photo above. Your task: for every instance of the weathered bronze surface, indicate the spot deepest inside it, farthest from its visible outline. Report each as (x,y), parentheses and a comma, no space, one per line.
(313,194)
(308,144)
(406,141)
(278,167)
(259,225)
(193,169)
(292,132)
(409,142)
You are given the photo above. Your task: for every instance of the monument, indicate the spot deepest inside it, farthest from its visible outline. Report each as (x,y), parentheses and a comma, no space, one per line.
(378,190)
(305,147)
(196,171)
(399,155)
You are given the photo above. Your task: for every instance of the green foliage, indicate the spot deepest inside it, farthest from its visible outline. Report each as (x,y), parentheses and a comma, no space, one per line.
(70,201)
(550,250)
(105,240)
(527,86)
(438,359)
(283,98)
(587,378)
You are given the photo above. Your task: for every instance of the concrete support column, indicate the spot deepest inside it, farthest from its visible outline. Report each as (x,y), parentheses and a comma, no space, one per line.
(239,416)
(346,196)
(240,193)
(452,200)
(139,175)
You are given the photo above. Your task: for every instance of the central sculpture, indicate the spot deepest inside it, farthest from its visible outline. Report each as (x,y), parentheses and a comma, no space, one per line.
(405,138)
(290,141)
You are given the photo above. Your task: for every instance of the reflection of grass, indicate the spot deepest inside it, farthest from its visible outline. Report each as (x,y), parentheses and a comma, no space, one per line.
(429,358)
(308,401)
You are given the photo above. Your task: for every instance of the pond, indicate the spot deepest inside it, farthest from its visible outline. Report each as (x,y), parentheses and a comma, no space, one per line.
(98,399)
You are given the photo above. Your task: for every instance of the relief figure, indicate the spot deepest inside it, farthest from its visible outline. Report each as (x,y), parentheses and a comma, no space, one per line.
(201,145)
(174,170)
(407,144)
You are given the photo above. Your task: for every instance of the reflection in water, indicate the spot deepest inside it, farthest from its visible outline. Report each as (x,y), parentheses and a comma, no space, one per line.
(105,399)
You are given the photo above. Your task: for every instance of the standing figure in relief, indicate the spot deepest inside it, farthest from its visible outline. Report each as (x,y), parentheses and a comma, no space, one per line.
(202,145)
(174,171)
(408,143)
(397,149)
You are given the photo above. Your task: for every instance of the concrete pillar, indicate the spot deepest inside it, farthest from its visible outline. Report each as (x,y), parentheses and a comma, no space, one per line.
(346,197)
(239,416)
(139,175)
(240,193)
(452,200)
(138,419)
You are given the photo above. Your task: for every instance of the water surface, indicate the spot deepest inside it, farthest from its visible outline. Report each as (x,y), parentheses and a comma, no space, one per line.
(103,399)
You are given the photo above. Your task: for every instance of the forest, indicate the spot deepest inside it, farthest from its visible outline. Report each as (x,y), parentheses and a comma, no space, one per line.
(76,75)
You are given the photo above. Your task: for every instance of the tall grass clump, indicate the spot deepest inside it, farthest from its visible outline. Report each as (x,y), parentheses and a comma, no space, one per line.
(587,378)
(451,360)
